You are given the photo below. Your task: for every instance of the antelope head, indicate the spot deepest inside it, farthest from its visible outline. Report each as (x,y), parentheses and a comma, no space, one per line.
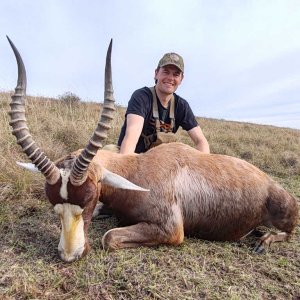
(72,184)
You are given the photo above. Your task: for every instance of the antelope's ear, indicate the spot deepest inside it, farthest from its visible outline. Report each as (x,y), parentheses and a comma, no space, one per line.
(28,166)
(120,182)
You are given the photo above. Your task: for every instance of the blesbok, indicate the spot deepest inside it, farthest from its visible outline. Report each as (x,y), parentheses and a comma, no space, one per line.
(185,192)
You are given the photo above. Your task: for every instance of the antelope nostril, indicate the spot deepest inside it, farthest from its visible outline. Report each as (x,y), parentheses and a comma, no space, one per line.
(62,256)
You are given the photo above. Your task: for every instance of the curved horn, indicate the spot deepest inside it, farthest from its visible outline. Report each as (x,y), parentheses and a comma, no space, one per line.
(20,129)
(79,170)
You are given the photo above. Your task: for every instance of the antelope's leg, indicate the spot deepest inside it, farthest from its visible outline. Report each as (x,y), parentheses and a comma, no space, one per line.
(267,239)
(141,234)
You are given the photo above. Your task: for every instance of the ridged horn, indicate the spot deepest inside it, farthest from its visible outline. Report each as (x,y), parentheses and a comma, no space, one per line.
(20,129)
(79,170)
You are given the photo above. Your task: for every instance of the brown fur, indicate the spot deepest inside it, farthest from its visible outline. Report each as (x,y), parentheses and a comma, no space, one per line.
(214,197)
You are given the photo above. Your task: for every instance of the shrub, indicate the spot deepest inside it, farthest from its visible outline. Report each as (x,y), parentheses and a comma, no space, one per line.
(69,98)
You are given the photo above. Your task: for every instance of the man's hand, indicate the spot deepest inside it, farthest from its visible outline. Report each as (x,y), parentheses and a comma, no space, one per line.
(199,139)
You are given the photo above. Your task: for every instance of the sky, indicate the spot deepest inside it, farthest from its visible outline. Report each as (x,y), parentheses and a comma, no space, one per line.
(242,57)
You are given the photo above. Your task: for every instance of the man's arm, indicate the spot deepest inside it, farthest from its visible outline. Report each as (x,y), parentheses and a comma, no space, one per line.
(133,131)
(199,139)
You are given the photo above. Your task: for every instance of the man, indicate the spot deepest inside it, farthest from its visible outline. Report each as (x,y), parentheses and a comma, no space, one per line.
(140,128)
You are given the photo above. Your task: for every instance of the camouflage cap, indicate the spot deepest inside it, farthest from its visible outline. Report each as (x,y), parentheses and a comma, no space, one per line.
(172,59)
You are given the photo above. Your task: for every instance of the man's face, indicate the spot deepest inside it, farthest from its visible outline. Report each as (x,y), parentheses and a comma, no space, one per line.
(168,79)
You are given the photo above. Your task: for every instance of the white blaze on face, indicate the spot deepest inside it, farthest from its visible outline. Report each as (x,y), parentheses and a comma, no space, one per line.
(65,174)
(72,240)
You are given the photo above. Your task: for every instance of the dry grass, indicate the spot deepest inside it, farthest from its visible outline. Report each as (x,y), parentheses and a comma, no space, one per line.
(29,229)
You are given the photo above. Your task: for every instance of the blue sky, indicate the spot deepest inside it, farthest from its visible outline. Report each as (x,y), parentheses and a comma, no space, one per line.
(242,58)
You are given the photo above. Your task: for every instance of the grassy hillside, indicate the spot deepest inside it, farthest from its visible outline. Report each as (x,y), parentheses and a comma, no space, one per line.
(29,228)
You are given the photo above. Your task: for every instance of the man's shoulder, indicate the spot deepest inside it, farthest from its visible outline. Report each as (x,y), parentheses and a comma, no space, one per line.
(140,102)
(141,96)
(181,101)
(144,91)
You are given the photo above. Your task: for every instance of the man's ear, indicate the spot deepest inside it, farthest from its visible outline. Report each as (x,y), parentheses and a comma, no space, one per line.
(155,73)
(182,76)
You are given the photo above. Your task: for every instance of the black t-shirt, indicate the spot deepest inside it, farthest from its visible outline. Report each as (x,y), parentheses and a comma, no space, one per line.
(140,104)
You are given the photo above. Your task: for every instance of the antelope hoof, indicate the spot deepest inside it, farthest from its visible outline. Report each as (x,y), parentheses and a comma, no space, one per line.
(259,248)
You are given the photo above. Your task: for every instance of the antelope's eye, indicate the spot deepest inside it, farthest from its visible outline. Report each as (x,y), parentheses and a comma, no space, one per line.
(58,208)
(77,210)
